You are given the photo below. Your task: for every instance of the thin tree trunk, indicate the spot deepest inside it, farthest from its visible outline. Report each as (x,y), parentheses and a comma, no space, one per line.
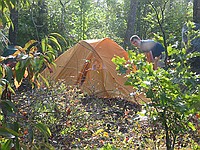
(196,11)
(13,29)
(42,26)
(160,22)
(139,18)
(130,23)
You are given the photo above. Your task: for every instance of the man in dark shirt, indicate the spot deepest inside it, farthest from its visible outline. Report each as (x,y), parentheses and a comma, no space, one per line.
(153,50)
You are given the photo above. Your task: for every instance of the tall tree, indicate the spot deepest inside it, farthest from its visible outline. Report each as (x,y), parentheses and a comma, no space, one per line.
(196,11)
(13,29)
(14,16)
(130,23)
(84,7)
(159,8)
(40,22)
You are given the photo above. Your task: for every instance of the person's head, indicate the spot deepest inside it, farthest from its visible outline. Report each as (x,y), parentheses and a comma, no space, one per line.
(135,40)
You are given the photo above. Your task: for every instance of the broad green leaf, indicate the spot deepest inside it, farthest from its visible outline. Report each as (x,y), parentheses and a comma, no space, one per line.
(16,126)
(44,129)
(122,69)
(150,93)
(9,105)
(1,89)
(29,43)
(7,145)
(190,124)
(17,83)
(118,60)
(9,73)
(44,44)
(2,58)
(2,72)
(55,41)
(12,132)
(9,133)
(9,4)
(59,36)
(19,69)
(5,133)
(16,53)
(33,49)
(44,79)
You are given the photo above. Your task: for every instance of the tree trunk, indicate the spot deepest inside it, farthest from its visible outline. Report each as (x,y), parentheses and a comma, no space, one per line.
(42,25)
(139,18)
(196,11)
(196,46)
(13,29)
(130,23)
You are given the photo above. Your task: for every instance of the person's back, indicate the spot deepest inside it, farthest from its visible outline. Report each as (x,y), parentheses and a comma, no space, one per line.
(146,45)
(149,46)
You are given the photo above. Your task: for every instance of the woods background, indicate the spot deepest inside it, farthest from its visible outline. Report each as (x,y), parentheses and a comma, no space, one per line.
(90,19)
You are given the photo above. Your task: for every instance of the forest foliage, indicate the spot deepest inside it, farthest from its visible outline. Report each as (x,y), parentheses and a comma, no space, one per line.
(89,19)
(44,29)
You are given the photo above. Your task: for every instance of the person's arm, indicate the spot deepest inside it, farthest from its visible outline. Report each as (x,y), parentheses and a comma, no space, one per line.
(155,62)
(149,57)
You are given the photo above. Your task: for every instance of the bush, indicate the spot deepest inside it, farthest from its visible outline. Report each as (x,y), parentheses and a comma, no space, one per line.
(173,92)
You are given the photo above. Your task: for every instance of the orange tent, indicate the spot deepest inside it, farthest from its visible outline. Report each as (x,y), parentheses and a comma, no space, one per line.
(88,64)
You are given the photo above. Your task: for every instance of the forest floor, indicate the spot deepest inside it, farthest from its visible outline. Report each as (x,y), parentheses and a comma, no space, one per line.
(87,122)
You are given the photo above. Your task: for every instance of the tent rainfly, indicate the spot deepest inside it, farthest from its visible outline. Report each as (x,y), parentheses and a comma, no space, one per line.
(89,65)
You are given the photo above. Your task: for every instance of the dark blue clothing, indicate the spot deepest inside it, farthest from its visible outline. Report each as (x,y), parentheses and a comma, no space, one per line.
(150,45)
(157,50)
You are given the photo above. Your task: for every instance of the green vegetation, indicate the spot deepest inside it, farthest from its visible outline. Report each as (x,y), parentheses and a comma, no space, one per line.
(24,63)
(57,116)
(173,91)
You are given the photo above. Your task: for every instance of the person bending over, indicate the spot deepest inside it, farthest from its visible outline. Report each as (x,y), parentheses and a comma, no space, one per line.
(153,50)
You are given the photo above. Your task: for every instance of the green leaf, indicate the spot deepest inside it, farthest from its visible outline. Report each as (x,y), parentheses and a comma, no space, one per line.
(8,105)
(8,133)
(1,71)
(11,89)
(11,105)
(29,43)
(9,73)
(7,145)
(190,124)
(44,129)
(16,126)
(44,79)
(20,70)
(150,94)
(9,4)
(44,44)
(55,41)
(118,60)
(59,36)
(122,69)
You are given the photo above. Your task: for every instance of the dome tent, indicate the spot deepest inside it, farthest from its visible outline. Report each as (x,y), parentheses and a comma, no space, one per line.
(89,65)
